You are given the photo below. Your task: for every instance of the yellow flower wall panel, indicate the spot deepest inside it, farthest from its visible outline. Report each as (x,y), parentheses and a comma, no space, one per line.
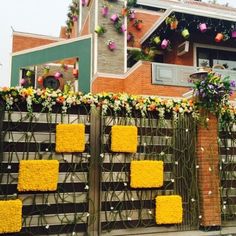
(10,216)
(169,209)
(70,138)
(146,174)
(124,138)
(38,175)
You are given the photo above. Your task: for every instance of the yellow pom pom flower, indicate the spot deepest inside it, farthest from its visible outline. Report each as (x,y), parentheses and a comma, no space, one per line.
(10,216)
(146,174)
(124,138)
(70,138)
(169,209)
(38,175)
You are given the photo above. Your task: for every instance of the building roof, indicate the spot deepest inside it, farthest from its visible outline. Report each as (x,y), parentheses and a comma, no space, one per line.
(215,11)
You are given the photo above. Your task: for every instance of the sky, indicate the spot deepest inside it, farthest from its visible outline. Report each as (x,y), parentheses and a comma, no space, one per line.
(40,17)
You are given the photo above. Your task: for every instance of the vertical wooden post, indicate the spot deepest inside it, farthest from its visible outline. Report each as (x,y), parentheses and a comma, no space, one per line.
(94,173)
(209,180)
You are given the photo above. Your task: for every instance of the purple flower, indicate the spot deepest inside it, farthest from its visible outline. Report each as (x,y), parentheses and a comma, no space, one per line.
(232,83)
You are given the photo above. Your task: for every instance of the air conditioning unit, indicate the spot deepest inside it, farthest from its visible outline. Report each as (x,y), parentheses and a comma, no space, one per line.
(183,48)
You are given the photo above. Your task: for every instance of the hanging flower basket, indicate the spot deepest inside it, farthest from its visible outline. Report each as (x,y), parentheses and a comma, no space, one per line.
(130,37)
(124,11)
(138,24)
(85,3)
(105,11)
(185,33)
(157,40)
(131,14)
(111,45)
(203,27)
(57,75)
(165,43)
(75,73)
(114,18)
(172,21)
(233,34)
(28,73)
(40,80)
(100,30)
(219,37)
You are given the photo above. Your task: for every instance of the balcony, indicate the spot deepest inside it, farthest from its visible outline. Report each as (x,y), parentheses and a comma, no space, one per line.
(177,75)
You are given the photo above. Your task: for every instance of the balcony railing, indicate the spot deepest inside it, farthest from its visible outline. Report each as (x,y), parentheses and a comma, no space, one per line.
(176,75)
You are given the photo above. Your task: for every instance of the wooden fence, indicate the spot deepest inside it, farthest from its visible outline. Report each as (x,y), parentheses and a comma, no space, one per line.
(94,196)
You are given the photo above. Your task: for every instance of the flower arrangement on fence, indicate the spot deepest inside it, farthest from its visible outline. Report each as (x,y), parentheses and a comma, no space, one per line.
(70,138)
(38,175)
(146,174)
(107,101)
(213,92)
(10,216)
(169,209)
(124,138)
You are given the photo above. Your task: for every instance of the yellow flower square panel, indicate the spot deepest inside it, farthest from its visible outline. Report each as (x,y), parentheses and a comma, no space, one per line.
(70,138)
(124,138)
(146,174)
(10,216)
(38,175)
(169,209)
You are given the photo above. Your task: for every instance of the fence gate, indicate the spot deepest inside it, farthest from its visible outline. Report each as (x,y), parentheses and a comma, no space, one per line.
(125,208)
(24,137)
(228,174)
(94,196)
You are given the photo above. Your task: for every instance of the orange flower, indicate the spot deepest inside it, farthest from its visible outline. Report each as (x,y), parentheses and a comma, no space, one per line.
(60,99)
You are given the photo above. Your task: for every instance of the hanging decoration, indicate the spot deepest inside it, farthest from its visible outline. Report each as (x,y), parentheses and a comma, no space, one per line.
(111,45)
(203,27)
(105,10)
(100,30)
(172,22)
(165,43)
(185,33)
(138,24)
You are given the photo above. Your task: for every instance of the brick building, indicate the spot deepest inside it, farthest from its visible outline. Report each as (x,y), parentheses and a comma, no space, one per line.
(154,58)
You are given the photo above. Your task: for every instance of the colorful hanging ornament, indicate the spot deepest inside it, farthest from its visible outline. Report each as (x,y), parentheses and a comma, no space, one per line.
(57,75)
(104,11)
(185,33)
(114,18)
(75,73)
(157,40)
(219,37)
(111,45)
(40,80)
(165,43)
(233,33)
(203,27)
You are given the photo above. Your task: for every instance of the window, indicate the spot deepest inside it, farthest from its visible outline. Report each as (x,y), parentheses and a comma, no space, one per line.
(216,57)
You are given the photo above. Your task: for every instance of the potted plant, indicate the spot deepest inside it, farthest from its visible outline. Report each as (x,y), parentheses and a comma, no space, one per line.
(202,27)
(85,3)
(120,27)
(165,43)
(111,45)
(114,18)
(233,33)
(185,33)
(221,36)
(130,37)
(100,30)
(124,11)
(157,40)
(138,24)
(105,10)
(131,14)
(172,21)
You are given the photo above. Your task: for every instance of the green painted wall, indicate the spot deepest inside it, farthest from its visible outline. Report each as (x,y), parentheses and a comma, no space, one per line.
(80,48)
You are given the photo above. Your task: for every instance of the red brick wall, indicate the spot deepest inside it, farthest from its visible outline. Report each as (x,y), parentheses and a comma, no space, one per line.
(148,21)
(172,58)
(139,82)
(25,42)
(208,175)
